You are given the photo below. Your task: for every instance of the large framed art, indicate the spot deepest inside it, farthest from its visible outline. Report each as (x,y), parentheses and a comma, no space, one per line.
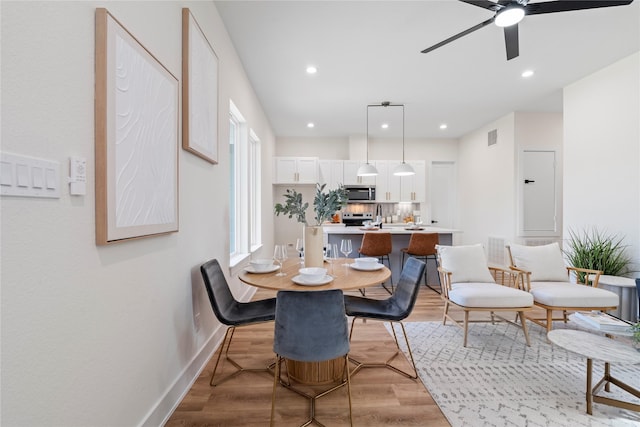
(136,137)
(199,91)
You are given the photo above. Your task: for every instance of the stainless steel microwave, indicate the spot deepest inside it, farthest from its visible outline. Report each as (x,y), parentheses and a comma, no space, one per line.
(361,193)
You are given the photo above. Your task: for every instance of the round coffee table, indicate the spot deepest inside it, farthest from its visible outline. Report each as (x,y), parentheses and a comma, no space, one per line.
(606,350)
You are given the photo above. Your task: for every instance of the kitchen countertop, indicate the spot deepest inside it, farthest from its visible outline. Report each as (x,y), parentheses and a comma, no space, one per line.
(386,228)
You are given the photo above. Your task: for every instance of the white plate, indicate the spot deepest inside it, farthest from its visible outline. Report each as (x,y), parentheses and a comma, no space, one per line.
(376,266)
(300,281)
(250,269)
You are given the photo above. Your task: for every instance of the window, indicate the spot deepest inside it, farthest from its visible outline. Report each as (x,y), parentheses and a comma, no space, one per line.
(245,225)
(255,195)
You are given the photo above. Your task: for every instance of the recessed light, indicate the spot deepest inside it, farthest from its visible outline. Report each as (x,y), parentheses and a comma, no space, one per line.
(310,125)
(385,126)
(527,73)
(443,126)
(311,69)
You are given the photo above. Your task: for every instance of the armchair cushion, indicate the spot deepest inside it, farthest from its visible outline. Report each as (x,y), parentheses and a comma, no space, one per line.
(545,262)
(489,295)
(563,294)
(466,263)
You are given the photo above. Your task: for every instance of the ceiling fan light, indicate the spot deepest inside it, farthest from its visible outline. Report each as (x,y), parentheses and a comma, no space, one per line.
(403,169)
(367,170)
(509,16)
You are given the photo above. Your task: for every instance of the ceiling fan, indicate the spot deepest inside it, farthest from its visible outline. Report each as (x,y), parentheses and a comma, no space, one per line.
(509,12)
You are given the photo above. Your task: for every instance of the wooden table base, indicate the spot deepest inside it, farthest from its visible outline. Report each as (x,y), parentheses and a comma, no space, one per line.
(606,380)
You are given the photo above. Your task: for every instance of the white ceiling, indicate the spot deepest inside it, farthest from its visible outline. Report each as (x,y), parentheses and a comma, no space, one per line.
(369,52)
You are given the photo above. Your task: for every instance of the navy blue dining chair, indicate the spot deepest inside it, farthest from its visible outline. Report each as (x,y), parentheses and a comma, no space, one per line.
(311,331)
(394,309)
(232,313)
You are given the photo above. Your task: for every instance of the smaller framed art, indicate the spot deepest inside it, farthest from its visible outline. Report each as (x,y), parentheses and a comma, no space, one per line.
(199,91)
(136,137)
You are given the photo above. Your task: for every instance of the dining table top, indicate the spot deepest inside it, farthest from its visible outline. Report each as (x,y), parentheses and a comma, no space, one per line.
(344,277)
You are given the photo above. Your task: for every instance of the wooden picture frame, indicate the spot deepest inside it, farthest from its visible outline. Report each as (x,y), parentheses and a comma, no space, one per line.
(136,137)
(199,91)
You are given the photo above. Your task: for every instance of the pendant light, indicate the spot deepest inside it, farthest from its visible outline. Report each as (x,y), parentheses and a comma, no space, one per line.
(367,169)
(403,169)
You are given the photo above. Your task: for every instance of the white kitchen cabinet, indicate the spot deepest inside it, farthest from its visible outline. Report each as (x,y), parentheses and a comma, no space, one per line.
(331,172)
(351,174)
(413,186)
(296,170)
(387,184)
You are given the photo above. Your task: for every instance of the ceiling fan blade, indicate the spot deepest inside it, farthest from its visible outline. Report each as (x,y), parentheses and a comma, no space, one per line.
(569,5)
(511,41)
(457,36)
(485,4)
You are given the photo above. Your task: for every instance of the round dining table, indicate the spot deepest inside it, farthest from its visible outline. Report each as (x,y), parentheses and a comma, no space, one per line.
(344,277)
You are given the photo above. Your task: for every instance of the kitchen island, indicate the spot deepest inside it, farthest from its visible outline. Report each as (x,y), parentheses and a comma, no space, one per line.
(400,235)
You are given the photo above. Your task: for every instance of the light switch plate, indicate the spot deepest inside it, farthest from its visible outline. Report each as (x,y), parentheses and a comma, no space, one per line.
(25,176)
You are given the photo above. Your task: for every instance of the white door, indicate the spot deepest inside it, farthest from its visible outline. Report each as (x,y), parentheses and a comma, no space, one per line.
(539,192)
(442,187)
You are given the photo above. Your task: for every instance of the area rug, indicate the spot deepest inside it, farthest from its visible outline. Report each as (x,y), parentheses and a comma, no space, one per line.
(498,381)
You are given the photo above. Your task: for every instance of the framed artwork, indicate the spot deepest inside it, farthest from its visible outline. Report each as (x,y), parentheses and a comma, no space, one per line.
(136,137)
(199,91)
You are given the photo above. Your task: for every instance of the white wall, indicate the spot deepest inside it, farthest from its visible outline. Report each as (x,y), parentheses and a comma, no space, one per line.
(486,180)
(105,336)
(602,153)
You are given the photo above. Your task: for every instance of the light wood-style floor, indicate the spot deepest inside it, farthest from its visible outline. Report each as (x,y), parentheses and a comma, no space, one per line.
(380,396)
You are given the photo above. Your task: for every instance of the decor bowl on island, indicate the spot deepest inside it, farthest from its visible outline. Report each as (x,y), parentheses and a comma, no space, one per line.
(312,274)
(261,264)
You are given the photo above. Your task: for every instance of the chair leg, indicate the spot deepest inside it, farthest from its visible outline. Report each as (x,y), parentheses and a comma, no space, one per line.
(228,334)
(406,340)
(239,369)
(549,320)
(276,377)
(524,327)
(446,311)
(466,326)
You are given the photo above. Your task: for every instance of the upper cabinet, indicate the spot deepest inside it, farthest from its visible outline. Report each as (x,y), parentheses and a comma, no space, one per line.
(351,174)
(413,186)
(387,184)
(331,172)
(296,170)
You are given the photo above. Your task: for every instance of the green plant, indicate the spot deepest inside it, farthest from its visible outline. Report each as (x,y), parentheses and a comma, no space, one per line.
(597,250)
(635,328)
(325,205)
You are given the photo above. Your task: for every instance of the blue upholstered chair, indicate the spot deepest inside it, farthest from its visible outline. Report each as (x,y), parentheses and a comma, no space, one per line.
(232,313)
(311,329)
(393,309)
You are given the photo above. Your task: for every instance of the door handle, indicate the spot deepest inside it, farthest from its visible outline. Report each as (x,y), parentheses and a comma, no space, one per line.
(434,221)
(528,181)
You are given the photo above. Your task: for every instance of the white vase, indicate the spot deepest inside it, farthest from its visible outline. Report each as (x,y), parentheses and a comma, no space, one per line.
(313,244)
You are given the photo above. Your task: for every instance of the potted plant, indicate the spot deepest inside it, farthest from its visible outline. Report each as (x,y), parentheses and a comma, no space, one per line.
(325,205)
(597,250)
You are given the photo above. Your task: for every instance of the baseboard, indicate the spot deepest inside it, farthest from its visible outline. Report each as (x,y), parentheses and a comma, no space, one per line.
(161,412)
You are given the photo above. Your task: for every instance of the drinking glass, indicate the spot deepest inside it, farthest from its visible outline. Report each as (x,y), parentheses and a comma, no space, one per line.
(300,250)
(332,255)
(346,248)
(280,255)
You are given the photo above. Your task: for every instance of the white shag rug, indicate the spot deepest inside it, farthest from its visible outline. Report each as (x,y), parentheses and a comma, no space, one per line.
(498,381)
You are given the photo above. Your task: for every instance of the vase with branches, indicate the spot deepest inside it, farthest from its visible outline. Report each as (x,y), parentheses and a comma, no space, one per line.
(325,205)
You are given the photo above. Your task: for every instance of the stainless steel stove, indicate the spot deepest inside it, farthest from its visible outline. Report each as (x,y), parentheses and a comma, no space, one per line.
(356,219)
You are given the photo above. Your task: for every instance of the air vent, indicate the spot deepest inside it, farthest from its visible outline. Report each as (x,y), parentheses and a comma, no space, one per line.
(492,137)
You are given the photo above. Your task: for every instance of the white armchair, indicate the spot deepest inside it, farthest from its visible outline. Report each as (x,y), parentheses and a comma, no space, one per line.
(468,283)
(546,277)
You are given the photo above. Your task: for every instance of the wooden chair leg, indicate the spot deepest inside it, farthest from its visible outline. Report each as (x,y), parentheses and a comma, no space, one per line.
(524,327)
(549,320)
(466,326)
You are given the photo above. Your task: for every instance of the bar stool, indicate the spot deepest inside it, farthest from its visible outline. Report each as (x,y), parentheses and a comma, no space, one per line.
(377,245)
(423,246)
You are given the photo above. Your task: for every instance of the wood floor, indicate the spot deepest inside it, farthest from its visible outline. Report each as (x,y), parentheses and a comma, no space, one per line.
(380,396)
